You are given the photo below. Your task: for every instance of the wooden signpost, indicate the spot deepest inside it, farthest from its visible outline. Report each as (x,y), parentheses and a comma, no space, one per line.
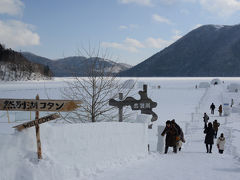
(37,121)
(145,104)
(38,105)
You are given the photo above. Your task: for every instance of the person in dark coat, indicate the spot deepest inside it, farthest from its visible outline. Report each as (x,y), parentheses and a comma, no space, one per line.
(216,124)
(209,138)
(205,119)
(220,110)
(212,107)
(179,129)
(171,136)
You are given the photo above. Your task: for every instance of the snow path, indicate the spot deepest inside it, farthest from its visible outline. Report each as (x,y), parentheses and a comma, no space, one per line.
(192,162)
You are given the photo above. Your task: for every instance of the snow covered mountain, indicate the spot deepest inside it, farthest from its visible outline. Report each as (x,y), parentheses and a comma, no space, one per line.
(75,65)
(210,50)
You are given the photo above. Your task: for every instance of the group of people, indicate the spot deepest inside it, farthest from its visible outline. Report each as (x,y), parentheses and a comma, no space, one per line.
(220,109)
(211,130)
(174,136)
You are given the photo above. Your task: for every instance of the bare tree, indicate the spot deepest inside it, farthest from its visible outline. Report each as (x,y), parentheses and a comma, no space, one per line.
(95,89)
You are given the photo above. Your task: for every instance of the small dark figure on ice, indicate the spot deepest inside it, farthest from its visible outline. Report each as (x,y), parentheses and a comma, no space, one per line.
(216,124)
(205,119)
(209,138)
(221,143)
(232,102)
(212,107)
(220,110)
(171,136)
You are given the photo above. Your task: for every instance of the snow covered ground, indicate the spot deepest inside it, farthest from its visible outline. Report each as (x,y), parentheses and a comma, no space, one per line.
(177,99)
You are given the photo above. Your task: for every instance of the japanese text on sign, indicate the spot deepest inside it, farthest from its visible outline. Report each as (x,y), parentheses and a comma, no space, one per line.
(37,105)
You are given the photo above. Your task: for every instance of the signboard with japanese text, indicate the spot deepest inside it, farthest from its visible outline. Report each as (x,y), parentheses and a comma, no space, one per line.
(38,105)
(37,121)
(145,104)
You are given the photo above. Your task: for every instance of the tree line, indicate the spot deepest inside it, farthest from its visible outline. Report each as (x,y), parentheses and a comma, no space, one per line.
(13,66)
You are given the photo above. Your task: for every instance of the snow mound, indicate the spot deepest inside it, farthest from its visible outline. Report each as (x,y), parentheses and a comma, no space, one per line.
(70,150)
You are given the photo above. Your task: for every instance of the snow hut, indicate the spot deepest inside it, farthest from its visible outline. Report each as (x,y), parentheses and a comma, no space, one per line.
(233,87)
(216,81)
(204,85)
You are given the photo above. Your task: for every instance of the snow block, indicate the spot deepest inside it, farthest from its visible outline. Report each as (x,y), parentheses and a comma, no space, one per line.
(233,87)
(204,85)
(160,143)
(93,144)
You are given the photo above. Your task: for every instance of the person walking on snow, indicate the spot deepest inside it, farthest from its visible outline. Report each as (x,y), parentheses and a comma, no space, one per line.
(221,143)
(205,119)
(216,124)
(209,138)
(212,107)
(220,110)
(171,136)
(180,134)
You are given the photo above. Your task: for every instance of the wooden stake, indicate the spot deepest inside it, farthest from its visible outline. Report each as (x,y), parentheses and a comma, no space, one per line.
(121,109)
(9,117)
(39,149)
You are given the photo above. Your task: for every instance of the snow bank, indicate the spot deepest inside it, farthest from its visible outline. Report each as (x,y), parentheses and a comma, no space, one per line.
(71,150)
(92,143)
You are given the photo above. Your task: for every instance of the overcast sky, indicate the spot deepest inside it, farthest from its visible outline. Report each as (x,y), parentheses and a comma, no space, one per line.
(130,30)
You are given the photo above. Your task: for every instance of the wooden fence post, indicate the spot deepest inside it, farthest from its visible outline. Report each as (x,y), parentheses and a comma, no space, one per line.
(9,117)
(121,108)
(39,149)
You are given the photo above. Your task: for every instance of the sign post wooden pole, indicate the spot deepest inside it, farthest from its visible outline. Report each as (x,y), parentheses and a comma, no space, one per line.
(38,105)
(145,104)
(39,148)
(121,108)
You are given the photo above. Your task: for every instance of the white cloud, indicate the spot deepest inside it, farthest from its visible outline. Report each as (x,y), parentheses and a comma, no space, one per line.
(17,34)
(161,19)
(140,2)
(223,8)
(133,45)
(11,7)
(160,43)
(123,27)
(156,43)
(129,44)
(131,26)
(120,46)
